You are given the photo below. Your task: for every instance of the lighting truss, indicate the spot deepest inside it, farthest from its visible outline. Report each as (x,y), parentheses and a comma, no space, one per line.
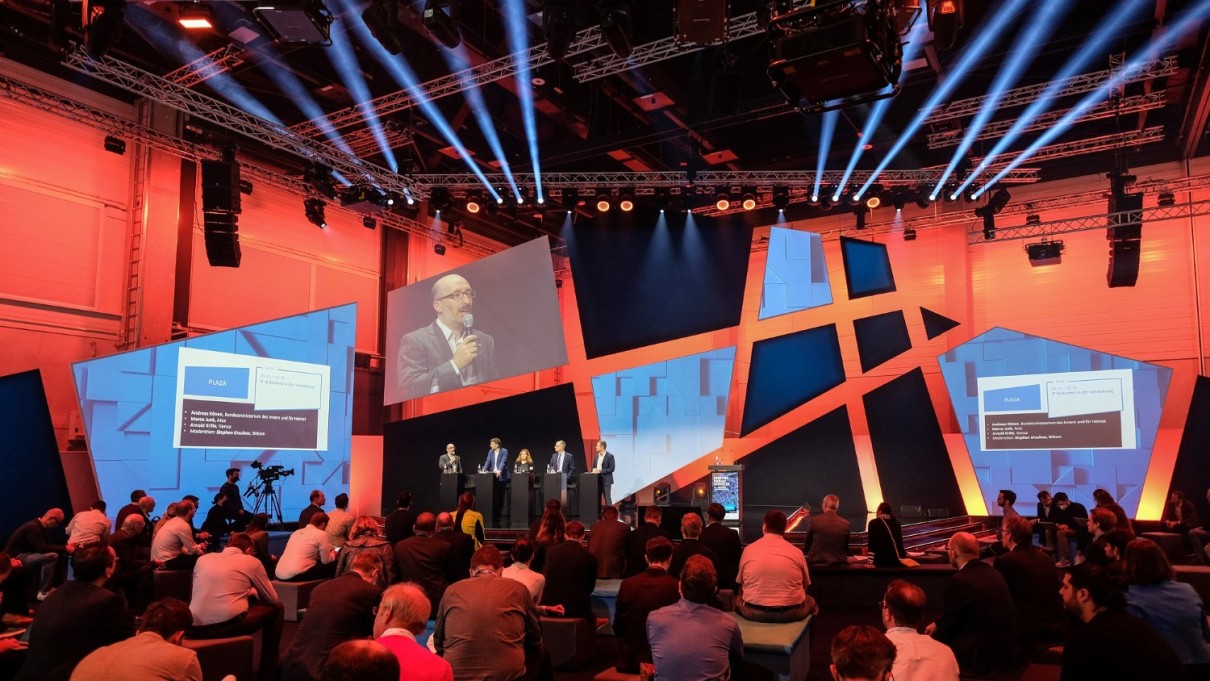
(1128,105)
(1076,85)
(144,84)
(1091,222)
(739,27)
(1080,147)
(363,143)
(207,66)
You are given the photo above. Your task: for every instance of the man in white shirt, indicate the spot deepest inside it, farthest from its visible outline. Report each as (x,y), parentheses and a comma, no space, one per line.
(174,547)
(918,657)
(308,554)
(523,554)
(223,584)
(89,527)
(773,577)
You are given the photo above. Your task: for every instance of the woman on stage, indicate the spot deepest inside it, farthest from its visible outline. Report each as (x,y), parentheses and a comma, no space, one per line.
(524,463)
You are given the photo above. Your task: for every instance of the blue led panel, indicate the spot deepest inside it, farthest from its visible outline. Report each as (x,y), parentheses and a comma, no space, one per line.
(796,275)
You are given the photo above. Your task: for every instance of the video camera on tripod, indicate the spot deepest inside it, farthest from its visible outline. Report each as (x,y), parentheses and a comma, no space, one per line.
(267,497)
(269,474)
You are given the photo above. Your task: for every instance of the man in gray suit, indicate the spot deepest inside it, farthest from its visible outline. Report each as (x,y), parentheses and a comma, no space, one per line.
(827,540)
(450,462)
(449,353)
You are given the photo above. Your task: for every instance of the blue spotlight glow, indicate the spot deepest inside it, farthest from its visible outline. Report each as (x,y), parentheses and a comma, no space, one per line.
(345,62)
(514,14)
(825,143)
(298,94)
(1190,20)
(459,64)
(985,37)
(1036,32)
(1095,47)
(166,39)
(406,78)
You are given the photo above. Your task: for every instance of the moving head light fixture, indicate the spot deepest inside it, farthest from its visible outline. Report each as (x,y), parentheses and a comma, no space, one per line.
(441,19)
(558,27)
(989,211)
(615,25)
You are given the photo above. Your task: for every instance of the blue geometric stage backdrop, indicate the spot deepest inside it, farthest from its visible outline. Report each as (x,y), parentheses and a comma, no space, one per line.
(796,275)
(659,417)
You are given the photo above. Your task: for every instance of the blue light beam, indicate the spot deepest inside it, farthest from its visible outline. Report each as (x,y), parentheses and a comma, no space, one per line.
(458,62)
(518,44)
(827,130)
(344,60)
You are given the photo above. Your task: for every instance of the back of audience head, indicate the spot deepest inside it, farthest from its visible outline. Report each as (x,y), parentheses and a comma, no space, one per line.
(1043,496)
(1103,518)
(1010,497)
(241,541)
(92,562)
(574,531)
(1115,543)
(168,617)
(133,523)
(360,660)
(659,551)
(98,505)
(1102,496)
(259,521)
(691,526)
(404,500)
(487,557)
(319,519)
(904,604)
(522,550)
(861,653)
(1146,564)
(653,514)
(136,495)
(609,513)
(426,522)
(466,501)
(831,503)
(315,496)
(699,581)
(1097,585)
(363,526)
(552,528)
(774,522)
(342,501)
(367,564)
(884,509)
(146,504)
(1018,529)
(403,606)
(553,505)
(445,521)
(716,513)
(963,546)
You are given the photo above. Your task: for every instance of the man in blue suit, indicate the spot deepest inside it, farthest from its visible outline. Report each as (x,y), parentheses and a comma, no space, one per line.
(604,465)
(563,461)
(497,462)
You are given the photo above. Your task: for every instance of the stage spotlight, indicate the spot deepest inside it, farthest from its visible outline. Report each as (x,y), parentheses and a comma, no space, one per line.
(923,196)
(441,19)
(689,198)
(440,200)
(873,201)
(899,200)
(1165,199)
(558,27)
(105,27)
(603,202)
(853,199)
(474,202)
(115,145)
(909,234)
(195,16)
(971,193)
(749,198)
(439,249)
(313,208)
(781,198)
(1033,219)
(626,201)
(369,222)
(999,200)
(1045,252)
(615,25)
(491,208)
(319,176)
(384,27)
(945,20)
(814,200)
(663,198)
(825,202)
(571,199)
(722,200)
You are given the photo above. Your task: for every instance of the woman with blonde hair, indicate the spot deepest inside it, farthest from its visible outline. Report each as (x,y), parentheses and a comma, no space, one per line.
(363,538)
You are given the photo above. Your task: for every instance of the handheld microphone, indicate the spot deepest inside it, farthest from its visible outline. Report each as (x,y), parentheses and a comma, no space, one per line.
(468,322)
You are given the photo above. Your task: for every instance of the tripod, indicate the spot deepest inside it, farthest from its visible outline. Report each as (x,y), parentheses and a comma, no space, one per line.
(270,499)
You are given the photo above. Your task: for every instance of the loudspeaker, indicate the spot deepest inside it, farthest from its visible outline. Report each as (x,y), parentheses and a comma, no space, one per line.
(701,21)
(1125,217)
(1123,262)
(220,186)
(222,240)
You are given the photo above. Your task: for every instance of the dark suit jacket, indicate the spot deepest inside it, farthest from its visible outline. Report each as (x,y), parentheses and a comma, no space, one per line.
(827,540)
(1116,645)
(424,560)
(305,516)
(569,463)
(424,357)
(725,544)
(607,467)
(1034,584)
(462,547)
(886,542)
(74,620)
(144,537)
(571,575)
(341,609)
(444,462)
(686,549)
(636,547)
(638,597)
(607,541)
(978,622)
(399,525)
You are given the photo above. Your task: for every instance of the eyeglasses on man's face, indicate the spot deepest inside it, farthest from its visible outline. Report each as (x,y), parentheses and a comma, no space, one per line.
(468,293)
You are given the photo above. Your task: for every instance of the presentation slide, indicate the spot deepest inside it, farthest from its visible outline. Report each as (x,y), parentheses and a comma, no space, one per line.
(490,319)
(724,489)
(170,419)
(1074,410)
(229,401)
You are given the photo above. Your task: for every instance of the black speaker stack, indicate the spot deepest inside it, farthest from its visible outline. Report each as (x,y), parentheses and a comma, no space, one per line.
(1125,235)
(220,211)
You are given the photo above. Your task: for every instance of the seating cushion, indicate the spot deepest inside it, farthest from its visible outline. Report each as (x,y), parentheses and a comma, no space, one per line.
(222,656)
(295,596)
(570,641)
(172,584)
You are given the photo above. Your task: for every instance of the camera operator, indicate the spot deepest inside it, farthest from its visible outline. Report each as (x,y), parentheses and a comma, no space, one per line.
(237,515)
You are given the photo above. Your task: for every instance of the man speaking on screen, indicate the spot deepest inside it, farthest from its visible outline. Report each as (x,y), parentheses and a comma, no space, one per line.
(449,353)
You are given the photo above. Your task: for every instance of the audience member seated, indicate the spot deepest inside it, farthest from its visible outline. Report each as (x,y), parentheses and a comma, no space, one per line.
(724,542)
(340,521)
(141,505)
(691,640)
(1172,608)
(258,531)
(462,547)
(1071,530)
(76,619)
(1105,500)
(1115,552)
(522,553)
(360,661)
(918,657)
(607,541)
(1180,515)
(488,627)
(885,538)
(468,520)
(89,527)
(153,654)
(1007,501)
(133,574)
(773,577)
(636,541)
(638,597)
(862,653)
(341,609)
(690,545)
(571,575)
(1033,581)
(318,500)
(217,523)
(16,581)
(1198,538)
(31,545)
(174,547)
(977,621)
(169,514)
(1100,521)
(364,540)
(222,606)
(827,540)
(402,616)
(549,532)
(1112,644)
(422,559)
(308,555)
(399,523)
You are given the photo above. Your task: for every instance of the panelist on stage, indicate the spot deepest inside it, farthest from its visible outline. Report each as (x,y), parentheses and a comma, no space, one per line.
(497,462)
(604,465)
(562,461)
(450,352)
(524,463)
(450,462)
